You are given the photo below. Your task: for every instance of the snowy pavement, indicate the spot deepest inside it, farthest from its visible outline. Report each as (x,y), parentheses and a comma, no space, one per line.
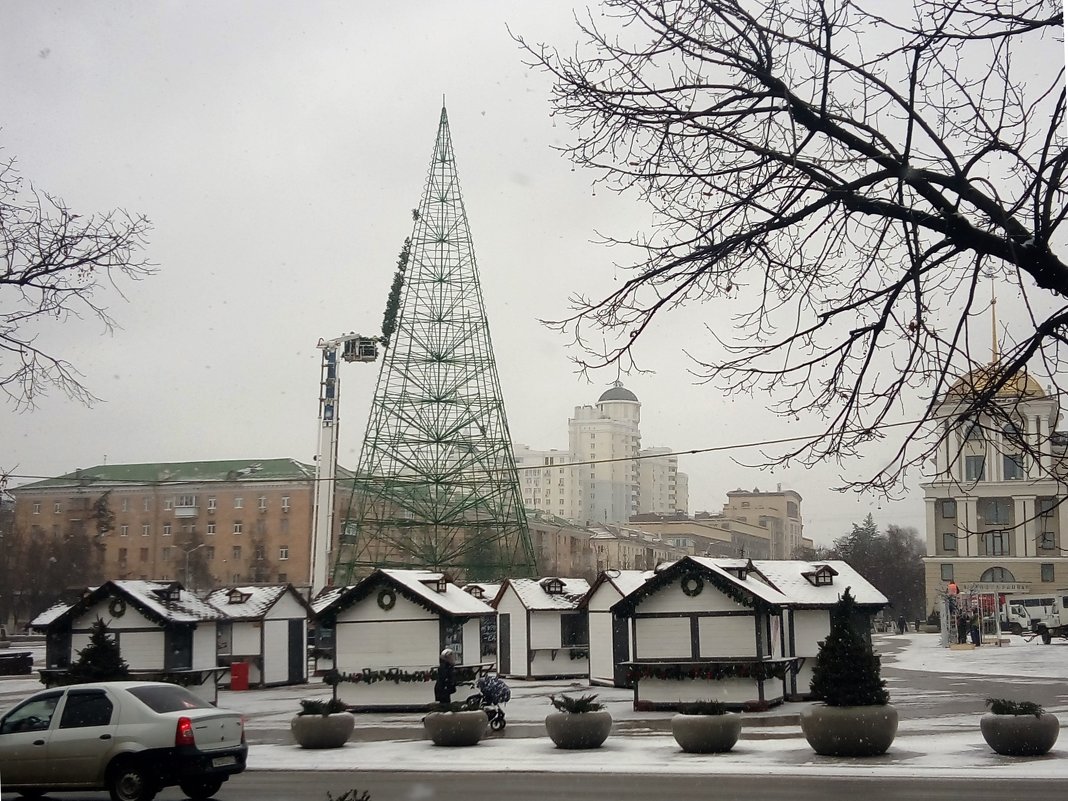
(930,742)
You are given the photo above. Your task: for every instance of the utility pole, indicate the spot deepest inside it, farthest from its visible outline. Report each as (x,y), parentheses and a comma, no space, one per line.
(353,348)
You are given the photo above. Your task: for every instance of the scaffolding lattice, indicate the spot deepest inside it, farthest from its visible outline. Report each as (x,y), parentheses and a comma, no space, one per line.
(436,485)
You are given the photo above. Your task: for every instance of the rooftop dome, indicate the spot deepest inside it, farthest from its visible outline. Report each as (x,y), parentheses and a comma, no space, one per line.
(974,381)
(617,392)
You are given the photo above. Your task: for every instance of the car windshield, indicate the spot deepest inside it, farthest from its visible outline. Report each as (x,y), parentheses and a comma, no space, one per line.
(168,698)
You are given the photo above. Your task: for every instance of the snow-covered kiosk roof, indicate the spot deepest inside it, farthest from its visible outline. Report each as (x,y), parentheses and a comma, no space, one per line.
(430,589)
(159,601)
(818,584)
(253,602)
(551,593)
(731,580)
(624,582)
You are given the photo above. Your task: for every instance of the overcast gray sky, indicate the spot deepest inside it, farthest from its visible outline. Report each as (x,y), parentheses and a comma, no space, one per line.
(278,148)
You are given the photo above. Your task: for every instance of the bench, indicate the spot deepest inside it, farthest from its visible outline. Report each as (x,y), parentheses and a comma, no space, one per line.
(19,663)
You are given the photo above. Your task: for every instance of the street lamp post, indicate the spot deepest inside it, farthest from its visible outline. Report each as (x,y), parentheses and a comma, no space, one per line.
(189,553)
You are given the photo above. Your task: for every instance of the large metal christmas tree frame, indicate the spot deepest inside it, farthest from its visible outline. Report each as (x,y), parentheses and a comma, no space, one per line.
(436,485)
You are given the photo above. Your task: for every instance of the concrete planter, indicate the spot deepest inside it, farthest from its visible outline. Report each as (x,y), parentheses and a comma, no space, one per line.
(322,731)
(706,734)
(849,730)
(578,729)
(1020,735)
(456,728)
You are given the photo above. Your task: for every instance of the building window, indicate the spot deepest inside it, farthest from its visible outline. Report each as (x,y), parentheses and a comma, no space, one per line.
(186,501)
(144,554)
(995,510)
(125,504)
(146,529)
(165,553)
(285,503)
(574,630)
(236,552)
(949,509)
(57,508)
(263,502)
(745,504)
(1046,506)
(166,529)
(997,574)
(1047,541)
(261,552)
(167,504)
(237,528)
(974,468)
(997,543)
(209,553)
(211,528)
(949,541)
(283,553)
(124,531)
(147,505)
(283,526)
(37,508)
(211,504)
(947,572)
(1047,572)
(1013,466)
(239,503)
(122,556)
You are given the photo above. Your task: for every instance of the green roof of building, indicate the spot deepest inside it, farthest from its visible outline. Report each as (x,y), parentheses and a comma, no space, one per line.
(185,472)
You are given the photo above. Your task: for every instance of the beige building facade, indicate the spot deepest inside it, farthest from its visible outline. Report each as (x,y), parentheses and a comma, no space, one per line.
(778,512)
(996,517)
(206,524)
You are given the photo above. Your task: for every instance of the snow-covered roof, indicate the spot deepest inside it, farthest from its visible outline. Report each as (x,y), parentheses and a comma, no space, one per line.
(787,576)
(453,601)
(328,595)
(754,584)
(48,615)
(534,594)
(166,599)
(489,591)
(248,603)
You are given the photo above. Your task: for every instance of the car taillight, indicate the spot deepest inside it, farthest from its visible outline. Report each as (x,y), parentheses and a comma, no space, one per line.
(183,734)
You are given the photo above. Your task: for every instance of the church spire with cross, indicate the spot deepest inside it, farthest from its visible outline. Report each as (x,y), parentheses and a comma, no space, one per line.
(436,485)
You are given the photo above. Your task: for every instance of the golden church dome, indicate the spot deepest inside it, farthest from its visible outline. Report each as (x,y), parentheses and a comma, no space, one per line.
(975,381)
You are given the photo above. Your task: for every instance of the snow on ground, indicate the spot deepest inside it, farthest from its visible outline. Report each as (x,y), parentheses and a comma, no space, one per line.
(1020,658)
(962,755)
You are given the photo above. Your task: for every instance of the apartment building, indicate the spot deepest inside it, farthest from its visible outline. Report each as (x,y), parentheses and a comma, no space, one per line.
(206,524)
(778,512)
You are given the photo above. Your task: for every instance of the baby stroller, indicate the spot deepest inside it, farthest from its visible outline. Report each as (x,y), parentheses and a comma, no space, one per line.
(491,697)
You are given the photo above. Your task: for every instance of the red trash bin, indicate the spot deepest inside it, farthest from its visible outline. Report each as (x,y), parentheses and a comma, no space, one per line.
(239,675)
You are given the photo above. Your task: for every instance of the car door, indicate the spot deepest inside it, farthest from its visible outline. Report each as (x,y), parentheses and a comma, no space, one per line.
(82,741)
(24,733)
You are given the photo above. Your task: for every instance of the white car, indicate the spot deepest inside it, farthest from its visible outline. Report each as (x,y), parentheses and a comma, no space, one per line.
(131,738)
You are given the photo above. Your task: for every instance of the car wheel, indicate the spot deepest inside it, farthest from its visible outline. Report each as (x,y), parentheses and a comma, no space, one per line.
(201,789)
(129,781)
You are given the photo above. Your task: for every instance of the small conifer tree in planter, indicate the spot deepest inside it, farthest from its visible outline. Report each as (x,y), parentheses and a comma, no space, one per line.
(456,723)
(1019,728)
(322,723)
(705,727)
(855,718)
(100,660)
(578,722)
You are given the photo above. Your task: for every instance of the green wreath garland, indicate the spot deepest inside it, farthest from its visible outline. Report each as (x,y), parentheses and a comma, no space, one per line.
(117,607)
(387,599)
(692,585)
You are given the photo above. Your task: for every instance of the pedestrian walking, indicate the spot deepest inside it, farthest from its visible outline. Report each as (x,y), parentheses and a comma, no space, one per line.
(902,625)
(445,685)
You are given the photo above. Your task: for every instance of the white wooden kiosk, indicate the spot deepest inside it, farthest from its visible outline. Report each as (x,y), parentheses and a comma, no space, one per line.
(610,644)
(163,632)
(541,632)
(389,631)
(702,632)
(267,628)
(812,589)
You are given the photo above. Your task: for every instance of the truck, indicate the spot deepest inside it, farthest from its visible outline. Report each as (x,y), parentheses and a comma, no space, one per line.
(1044,614)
